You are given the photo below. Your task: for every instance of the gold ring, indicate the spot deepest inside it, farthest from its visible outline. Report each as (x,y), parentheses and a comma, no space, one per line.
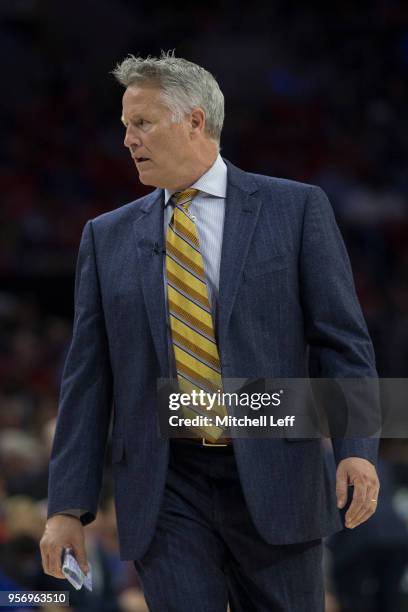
(374,500)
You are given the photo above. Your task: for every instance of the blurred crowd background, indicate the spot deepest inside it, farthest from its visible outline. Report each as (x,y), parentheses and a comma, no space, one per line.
(316,93)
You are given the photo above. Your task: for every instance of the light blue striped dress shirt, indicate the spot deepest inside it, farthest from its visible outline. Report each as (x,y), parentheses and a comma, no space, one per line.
(207,211)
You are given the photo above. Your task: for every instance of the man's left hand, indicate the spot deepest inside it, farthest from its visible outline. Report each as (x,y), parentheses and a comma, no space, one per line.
(360,473)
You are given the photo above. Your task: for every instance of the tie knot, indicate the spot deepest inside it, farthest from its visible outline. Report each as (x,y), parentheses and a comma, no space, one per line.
(183,198)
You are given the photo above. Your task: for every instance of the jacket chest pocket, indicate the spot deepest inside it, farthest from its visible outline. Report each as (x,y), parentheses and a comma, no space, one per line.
(266,266)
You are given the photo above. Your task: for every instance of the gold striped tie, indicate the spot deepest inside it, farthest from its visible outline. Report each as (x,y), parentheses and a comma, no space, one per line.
(195,348)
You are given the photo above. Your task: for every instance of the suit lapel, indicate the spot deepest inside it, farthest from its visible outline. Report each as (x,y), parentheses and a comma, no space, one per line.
(148,232)
(241,215)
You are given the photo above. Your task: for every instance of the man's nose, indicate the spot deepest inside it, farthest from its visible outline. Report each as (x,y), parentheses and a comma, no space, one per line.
(131,138)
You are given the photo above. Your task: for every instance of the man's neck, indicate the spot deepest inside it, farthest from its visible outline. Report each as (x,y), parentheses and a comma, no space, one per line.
(192,177)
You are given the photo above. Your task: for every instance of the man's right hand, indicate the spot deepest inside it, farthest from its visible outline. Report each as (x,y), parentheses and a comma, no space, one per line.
(62,531)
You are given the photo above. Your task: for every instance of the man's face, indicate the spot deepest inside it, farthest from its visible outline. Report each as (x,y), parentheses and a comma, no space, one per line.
(160,148)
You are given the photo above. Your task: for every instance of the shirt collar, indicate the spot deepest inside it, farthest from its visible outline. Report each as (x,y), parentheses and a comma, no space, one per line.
(213,182)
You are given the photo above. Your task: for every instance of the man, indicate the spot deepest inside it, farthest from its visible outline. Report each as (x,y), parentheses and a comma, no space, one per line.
(254,280)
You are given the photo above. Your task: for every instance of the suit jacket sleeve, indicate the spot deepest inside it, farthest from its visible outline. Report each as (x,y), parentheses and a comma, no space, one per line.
(339,344)
(77,457)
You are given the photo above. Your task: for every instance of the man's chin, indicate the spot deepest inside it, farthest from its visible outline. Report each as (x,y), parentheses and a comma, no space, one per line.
(146,180)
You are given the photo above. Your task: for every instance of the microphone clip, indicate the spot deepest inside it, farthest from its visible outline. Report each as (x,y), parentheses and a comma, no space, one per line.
(157,249)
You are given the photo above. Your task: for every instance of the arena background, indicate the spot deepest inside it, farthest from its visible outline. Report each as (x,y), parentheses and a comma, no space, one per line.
(315,93)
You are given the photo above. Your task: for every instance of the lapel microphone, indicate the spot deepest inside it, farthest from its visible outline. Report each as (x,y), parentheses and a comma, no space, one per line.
(157,249)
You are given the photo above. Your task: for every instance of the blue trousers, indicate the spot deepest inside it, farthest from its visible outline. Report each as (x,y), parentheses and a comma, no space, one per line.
(206,551)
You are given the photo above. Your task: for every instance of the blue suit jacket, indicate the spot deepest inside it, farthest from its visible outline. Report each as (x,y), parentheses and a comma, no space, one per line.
(286,293)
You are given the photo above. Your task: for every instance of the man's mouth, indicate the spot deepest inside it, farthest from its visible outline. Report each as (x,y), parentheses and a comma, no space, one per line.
(139,160)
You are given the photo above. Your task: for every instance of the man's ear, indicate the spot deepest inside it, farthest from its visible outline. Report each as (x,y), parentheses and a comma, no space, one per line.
(197,120)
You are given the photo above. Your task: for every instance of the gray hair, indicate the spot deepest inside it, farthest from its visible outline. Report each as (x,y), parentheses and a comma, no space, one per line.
(183,84)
